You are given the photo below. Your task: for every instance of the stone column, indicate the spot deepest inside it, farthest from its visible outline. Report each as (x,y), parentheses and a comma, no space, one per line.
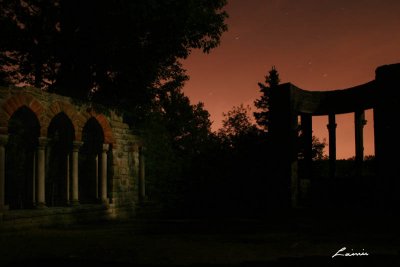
(104,198)
(3,142)
(294,185)
(305,182)
(332,144)
(97,175)
(34,179)
(386,121)
(142,182)
(75,181)
(359,122)
(306,125)
(68,180)
(41,166)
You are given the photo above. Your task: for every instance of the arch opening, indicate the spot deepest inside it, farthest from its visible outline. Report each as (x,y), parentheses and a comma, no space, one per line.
(61,135)
(89,161)
(23,130)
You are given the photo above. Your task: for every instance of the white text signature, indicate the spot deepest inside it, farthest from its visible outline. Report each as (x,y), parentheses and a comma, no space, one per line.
(342,252)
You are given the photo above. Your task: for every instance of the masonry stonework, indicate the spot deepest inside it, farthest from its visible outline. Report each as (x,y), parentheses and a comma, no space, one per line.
(119,158)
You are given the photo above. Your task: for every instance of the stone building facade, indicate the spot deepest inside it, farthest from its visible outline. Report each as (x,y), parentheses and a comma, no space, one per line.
(61,156)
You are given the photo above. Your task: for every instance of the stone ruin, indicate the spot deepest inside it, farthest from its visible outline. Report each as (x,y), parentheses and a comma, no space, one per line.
(62,160)
(293,109)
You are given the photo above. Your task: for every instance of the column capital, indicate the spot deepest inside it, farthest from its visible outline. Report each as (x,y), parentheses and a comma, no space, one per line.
(3,139)
(43,141)
(76,145)
(134,147)
(331,126)
(364,122)
(105,147)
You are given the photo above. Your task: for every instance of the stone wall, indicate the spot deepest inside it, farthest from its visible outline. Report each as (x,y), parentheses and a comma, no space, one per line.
(123,154)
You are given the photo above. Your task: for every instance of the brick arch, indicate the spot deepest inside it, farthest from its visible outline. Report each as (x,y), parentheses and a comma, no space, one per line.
(105,125)
(69,110)
(15,102)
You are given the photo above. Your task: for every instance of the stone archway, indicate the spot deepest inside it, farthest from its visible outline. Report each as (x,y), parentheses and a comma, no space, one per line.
(60,142)
(89,169)
(57,107)
(104,124)
(12,104)
(20,175)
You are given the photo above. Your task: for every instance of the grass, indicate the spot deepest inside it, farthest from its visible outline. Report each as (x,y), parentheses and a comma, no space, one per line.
(294,239)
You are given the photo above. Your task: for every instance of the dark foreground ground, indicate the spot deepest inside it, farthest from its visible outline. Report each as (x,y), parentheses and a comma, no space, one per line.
(293,240)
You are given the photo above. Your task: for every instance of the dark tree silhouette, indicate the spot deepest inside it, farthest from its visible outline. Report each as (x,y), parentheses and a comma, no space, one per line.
(318,148)
(236,122)
(188,125)
(264,102)
(177,138)
(118,53)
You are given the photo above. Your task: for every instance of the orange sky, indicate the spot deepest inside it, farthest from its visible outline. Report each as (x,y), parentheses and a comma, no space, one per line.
(315,44)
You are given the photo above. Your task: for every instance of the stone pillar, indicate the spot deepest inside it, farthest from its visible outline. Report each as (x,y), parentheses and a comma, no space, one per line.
(332,145)
(359,122)
(283,132)
(3,142)
(306,125)
(142,182)
(68,180)
(75,181)
(293,161)
(305,182)
(41,166)
(104,198)
(34,163)
(97,176)
(386,120)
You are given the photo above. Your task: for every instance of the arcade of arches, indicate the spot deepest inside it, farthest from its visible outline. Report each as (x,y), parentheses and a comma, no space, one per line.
(55,153)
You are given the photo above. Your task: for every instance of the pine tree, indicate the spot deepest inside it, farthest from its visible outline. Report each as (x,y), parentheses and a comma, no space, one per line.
(264,102)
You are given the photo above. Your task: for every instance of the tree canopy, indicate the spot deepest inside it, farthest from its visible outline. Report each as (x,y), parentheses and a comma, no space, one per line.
(116,52)
(236,121)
